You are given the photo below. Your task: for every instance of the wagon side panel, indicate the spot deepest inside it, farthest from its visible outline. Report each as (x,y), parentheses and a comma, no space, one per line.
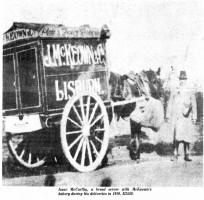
(73,66)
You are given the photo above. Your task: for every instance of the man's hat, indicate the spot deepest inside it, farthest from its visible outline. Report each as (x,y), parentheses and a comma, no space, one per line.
(183,75)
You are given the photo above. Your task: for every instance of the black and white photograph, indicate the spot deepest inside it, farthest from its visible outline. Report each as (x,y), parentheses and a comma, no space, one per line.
(102,96)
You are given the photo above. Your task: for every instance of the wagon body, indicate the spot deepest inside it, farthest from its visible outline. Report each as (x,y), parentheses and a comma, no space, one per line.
(44,65)
(56,76)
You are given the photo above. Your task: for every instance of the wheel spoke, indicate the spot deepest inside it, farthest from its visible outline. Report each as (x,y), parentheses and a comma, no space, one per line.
(73,122)
(97,119)
(95,150)
(75,141)
(83,152)
(98,139)
(93,112)
(78,149)
(22,153)
(89,151)
(73,132)
(82,108)
(87,108)
(75,110)
(29,158)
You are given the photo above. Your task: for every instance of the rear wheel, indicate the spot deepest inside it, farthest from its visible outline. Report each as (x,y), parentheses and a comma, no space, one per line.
(85,131)
(29,149)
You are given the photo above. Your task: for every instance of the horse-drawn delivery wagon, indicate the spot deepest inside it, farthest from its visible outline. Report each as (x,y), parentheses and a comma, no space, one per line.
(57,76)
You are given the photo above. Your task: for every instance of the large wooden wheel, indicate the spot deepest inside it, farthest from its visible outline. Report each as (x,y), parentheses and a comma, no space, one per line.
(28,148)
(85,131)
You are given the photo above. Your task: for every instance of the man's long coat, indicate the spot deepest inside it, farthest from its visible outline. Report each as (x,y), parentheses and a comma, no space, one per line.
(181,111)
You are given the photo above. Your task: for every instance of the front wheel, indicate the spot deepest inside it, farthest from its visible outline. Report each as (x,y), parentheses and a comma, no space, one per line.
(85,131)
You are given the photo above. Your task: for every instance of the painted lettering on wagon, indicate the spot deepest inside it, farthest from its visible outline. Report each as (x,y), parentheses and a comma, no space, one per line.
(83,32)
(72,55)
(19,34)
(76,87)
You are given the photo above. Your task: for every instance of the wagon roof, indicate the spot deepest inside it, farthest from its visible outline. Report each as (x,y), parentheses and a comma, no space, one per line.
(20,31)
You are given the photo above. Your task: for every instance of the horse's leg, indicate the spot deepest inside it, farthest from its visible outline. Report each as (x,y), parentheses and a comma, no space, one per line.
(134,149)
(175,146)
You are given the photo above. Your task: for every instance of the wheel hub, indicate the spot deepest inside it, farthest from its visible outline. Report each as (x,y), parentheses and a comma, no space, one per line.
(86,130)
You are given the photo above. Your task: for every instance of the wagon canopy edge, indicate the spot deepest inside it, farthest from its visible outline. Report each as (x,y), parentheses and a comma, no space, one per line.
(21,30)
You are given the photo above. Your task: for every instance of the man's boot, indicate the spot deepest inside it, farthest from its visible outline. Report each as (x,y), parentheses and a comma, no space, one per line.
(186,158)
(175,156)
(186,151)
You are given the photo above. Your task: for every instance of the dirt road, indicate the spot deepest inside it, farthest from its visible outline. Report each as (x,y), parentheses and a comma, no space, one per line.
(153,170)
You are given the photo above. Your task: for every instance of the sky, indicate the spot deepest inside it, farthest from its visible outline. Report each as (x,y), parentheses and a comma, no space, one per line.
(144,34)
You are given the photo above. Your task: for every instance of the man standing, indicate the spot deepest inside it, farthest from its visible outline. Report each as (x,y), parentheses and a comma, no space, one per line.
(182,111)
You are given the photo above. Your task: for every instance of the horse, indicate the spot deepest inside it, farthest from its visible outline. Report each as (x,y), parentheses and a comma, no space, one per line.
(128,86)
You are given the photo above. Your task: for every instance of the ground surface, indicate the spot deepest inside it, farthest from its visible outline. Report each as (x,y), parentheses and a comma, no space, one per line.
(153,170)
